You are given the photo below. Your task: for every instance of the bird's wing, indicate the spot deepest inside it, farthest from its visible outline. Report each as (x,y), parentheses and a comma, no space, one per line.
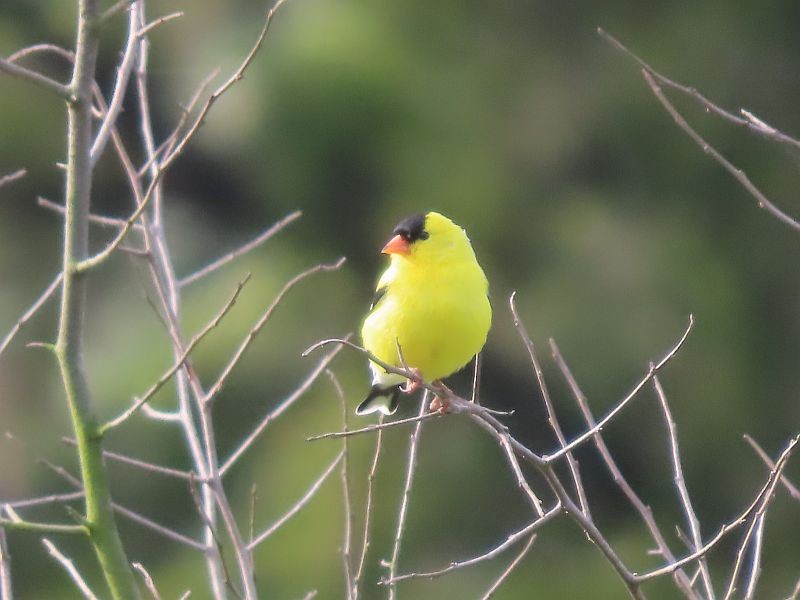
(379,293)
(384,282)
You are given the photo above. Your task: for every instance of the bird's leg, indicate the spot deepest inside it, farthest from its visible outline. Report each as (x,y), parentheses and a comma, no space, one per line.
(414,382)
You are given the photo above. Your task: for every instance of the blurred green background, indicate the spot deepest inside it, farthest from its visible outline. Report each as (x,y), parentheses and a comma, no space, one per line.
(519,122)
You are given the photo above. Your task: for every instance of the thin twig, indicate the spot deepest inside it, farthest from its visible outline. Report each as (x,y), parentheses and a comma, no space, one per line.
(120,85)
(36,78)
(115,9)
(790,487)
(680,485)
(238,75)
(504,575)
(522,483)
(755,562)
(6,587)
(654,368)
(70,568)
(237,356)
(148,580)
(129,412)
(158,22)
(377,427)
(140,464)
(44,500)
(368,510)
(346,499)
(98,219)
(749,121)
(512,539)
(645,512)
(296,394)
(756,507)
(297,506)
(16,523)
(736,173)
(552,418)
(126,512)
(11,177)
(34,308)
(241,250)
(411,465)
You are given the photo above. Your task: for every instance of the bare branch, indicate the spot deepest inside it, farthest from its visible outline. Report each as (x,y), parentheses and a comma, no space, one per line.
(140,464)
(790,487)
(512,539)
(378,427)
(362,559)
(237,76)
(241,250)
(67,55)
(278,411)
(115,9)
(17,523)
(680,485)
(179,363)
(120,85)
(148,580)
(522,483)
(346,500)
(305,499)
(36,78)
(6,588)
(34,308)
(645,512)
(98,219)
(413,444)
(214,390)
(750,122)
(504,575)
(70,568)
(654,368)
(552,418)
(158,22)
(753,537)
(756,508)
(12,177)
(738,174)
(43,500)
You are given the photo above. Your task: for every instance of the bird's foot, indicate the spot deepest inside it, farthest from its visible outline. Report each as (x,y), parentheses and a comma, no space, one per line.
(440,405)
(440,402)
(414,382)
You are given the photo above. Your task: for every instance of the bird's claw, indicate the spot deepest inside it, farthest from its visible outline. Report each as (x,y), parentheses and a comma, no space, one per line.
(413,383)
(439,404)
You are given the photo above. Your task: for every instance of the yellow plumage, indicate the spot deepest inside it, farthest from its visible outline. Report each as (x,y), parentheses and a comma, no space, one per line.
(431,300)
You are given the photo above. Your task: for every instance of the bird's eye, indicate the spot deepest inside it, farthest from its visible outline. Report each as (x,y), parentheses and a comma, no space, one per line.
(424,235)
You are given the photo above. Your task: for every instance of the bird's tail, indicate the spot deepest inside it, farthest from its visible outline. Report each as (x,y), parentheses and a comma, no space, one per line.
(382,399)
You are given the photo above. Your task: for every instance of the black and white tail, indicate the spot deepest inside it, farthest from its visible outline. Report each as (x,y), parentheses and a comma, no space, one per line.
(381,398)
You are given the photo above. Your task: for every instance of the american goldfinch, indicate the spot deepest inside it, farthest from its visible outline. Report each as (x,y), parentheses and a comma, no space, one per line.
(431,305)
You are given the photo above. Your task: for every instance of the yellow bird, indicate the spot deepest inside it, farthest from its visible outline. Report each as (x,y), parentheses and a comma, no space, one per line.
(431,304)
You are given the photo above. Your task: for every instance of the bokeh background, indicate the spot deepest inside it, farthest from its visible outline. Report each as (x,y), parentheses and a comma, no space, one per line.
(519,122)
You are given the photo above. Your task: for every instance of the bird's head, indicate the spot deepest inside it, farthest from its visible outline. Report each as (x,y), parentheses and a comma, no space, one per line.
(428,237)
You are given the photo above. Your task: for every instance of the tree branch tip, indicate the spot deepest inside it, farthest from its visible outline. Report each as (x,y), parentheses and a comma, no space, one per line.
(43,345)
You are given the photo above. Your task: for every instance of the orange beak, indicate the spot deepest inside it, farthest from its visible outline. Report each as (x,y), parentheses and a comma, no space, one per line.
(397,245)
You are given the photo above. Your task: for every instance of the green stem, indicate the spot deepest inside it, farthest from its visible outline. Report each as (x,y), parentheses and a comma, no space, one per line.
(100,521)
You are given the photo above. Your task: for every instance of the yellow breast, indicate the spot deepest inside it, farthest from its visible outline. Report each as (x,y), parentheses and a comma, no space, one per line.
(438,314)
